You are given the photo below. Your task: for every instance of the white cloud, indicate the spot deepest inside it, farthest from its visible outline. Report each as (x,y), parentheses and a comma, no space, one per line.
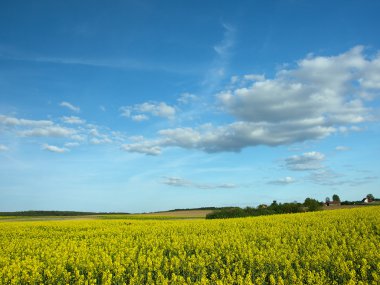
(319,87)
(160,109)
(97,137)
(342,148)
(142,147)
(125,111)
(72,144)
(181,182)
(307,161)
(73,120)
(77,137)
(13,122)
(325,176)
(317,98)
(102,140)
(3,148)
(139,118)
(186,98)
(53,148)
(53,131)
(254,77)
(70,106)
(176,181)
(224,47)
(283,181)
(157,109)
(236,136)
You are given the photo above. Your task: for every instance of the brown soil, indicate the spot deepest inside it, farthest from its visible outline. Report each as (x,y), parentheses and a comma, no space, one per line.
(186,213)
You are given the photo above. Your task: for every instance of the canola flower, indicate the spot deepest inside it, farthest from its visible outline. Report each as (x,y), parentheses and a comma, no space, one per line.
(330,247)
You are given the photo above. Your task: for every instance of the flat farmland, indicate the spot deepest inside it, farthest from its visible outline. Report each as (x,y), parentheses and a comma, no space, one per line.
(326,247)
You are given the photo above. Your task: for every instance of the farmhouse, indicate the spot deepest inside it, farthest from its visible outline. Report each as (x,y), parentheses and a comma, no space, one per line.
(367,200)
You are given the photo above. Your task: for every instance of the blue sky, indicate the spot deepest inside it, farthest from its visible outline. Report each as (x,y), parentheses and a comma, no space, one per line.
(150,105)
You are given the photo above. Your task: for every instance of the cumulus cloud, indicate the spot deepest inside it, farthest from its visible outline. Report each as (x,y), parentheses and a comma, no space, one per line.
(53,148)
(283,181)
(73,120)
(53,131)
(140,112)
(157,109)
(39,128)
(142,147)
(181,182)
(320,96)
(306,161)
(70,106)
(236,136)
(319,88)
(3,148)
(14,122)
(139,118)
(254,77)
(96,137)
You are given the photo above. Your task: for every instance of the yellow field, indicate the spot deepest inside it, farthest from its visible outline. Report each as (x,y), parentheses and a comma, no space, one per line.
(328,247)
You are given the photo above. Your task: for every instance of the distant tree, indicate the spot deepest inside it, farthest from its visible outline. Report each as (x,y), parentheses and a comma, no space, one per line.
(262,206)
(312,204)
(370,197)
(336,198)
(327,200)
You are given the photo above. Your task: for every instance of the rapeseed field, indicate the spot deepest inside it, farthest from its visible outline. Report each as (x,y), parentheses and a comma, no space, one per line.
(327,247)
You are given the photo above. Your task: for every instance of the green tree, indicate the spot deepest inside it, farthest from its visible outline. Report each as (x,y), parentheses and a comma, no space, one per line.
(370,197)
(336,198)
(312,204)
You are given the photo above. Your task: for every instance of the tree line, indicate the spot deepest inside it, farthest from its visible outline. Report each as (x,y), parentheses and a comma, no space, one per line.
(309,205)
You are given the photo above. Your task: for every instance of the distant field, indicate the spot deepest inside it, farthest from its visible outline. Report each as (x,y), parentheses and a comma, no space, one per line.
(326,247)
(169,215)
(184,213)
(166,215)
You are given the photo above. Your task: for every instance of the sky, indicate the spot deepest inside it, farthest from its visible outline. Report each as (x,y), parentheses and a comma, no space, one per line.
(142,105)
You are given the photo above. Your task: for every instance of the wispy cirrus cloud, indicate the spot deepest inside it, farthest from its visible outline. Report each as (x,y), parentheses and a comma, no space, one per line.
(181,182)
(55,149)
(283,181)
(3,148)
(342,148)
(70,106)
(12,53)
(218,69)
(328,177)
